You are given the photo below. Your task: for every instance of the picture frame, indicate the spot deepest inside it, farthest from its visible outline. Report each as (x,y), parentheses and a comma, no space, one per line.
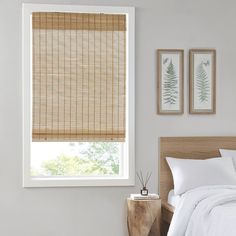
(202,81)
(170,81)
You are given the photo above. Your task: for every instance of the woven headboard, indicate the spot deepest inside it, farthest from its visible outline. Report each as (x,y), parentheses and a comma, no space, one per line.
(187,147)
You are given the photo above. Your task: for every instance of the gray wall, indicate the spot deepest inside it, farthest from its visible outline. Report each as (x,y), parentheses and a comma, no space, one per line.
(101,211)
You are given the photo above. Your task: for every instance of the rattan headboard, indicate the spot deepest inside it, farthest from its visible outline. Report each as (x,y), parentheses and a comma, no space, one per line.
(187,147)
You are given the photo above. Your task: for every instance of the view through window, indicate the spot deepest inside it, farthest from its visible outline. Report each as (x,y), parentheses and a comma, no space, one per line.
(76,159)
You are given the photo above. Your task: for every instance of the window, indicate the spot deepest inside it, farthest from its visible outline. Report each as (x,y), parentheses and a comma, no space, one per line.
(78,95)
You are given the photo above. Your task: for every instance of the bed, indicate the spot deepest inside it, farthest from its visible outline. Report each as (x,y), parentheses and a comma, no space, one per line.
(189,148)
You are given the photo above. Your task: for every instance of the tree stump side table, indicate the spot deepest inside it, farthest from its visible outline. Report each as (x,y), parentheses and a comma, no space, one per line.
(144,217)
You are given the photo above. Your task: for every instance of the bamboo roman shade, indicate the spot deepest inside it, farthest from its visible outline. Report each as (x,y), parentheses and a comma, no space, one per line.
(79,77)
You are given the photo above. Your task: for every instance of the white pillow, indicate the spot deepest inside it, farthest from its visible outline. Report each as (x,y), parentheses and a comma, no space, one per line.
(229,153)
(192,173)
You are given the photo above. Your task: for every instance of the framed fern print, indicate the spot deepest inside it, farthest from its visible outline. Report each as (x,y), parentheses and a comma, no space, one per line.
(202,91)
(170,81)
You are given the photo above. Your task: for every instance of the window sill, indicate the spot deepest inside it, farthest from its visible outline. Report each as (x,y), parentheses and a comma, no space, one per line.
(77,182)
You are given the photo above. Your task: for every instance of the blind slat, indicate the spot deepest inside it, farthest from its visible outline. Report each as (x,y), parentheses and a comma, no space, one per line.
(74,21)
(79,77)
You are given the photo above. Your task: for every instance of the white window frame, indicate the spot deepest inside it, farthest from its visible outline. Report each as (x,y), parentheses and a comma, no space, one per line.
(128,179)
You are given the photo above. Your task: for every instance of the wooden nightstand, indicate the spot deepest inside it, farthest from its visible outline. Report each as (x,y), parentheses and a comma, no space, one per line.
(167,212)
(144,217)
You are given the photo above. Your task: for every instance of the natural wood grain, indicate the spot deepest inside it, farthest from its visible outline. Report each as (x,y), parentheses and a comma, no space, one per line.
(167,211)
(187,148)
(164,228)
(144,217)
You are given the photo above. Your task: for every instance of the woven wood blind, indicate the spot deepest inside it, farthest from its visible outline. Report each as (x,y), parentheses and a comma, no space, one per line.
(79,77)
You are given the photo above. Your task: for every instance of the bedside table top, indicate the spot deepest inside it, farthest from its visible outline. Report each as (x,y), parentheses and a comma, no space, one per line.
(150,196)
(143,200)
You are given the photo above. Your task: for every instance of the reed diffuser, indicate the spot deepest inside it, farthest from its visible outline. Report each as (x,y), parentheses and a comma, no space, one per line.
(144,182)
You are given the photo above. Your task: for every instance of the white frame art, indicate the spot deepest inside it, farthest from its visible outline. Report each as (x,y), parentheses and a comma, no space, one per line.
(170,64)
(202,81)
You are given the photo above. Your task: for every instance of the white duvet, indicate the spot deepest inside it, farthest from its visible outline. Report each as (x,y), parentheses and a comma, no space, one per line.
(206,211)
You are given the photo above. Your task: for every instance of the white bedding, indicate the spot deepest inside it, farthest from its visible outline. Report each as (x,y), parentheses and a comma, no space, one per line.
(205,211)
(173,199)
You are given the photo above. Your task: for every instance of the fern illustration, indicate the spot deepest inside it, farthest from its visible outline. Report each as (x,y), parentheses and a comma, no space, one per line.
(165,60)
(202,83)
(170,92)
